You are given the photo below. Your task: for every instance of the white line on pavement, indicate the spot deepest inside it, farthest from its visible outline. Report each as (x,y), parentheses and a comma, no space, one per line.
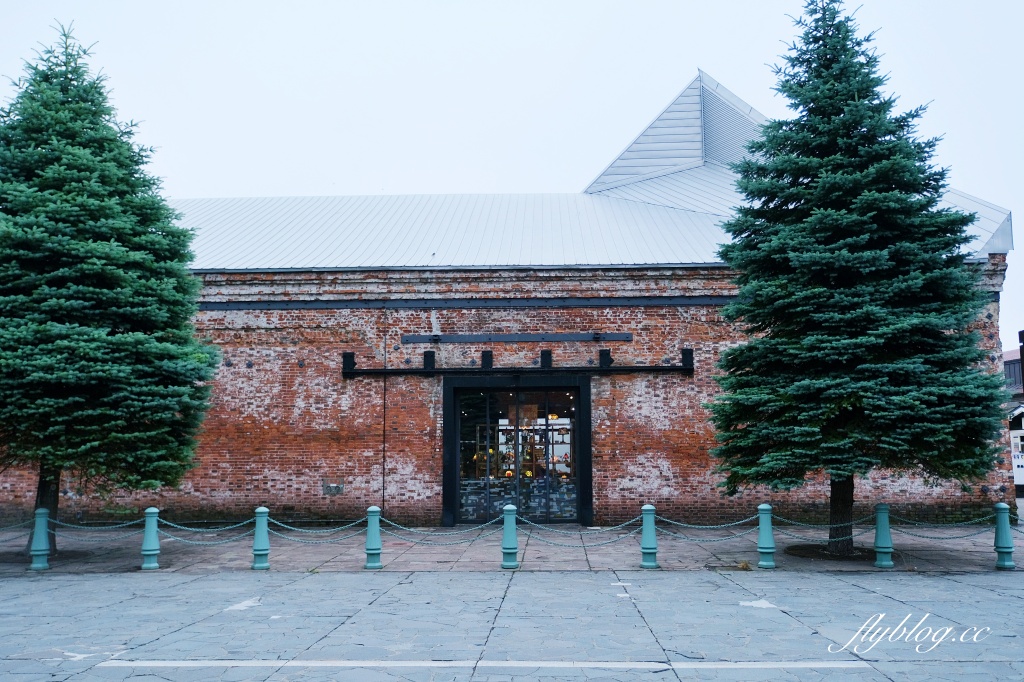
(627,665)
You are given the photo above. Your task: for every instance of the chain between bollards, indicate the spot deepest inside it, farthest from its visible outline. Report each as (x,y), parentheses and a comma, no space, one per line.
(765,537)
(40,549)
(1004,541)
(261,541)
(648,538)
(151,540)
(509,539)
(883,537)
(373,543)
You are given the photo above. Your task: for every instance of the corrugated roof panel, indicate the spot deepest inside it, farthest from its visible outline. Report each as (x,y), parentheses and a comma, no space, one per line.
(708,188)
(443,231)
(711,188)
(726,131)
(992,231)
(682,118)
(705,122)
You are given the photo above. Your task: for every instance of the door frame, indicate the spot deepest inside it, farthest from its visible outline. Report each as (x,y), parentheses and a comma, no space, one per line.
(450,460)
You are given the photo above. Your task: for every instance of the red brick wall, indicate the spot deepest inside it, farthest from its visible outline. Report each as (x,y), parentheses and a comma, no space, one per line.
(283,419)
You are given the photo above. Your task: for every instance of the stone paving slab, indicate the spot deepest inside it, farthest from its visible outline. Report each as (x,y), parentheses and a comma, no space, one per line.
(449,612)
(506,625)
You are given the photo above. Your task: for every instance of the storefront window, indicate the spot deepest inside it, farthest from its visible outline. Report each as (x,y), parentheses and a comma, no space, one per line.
(517,448)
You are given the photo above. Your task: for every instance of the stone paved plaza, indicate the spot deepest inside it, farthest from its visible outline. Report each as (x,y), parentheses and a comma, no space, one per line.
(451,613)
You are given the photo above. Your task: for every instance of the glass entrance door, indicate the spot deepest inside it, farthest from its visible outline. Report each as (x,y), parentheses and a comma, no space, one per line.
(517,448)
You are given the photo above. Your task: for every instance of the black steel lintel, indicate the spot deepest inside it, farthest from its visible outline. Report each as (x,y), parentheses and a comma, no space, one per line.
(511,371)
(596,337)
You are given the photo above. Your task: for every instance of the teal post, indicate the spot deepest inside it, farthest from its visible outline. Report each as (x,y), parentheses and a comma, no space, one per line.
(1004,541)
(509,539)
(373,544)
(648,538)
(765,537)
(40,549)
(261,541)
(151,540)
(883,537)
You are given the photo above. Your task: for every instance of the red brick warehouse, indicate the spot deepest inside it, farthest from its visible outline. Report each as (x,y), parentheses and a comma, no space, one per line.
(441,356)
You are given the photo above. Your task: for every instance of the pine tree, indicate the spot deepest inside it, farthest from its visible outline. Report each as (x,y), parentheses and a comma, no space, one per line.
(854,289)
(100,372)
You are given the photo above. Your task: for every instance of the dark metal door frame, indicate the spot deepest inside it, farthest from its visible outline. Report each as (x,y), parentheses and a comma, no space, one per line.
(450,462)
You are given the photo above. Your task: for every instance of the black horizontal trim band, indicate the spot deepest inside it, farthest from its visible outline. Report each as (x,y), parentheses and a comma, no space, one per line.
(505,371)
(446,303)
(516,338)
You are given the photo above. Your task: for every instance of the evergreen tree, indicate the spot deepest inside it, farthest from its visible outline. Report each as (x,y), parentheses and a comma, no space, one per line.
(100,373)
(854,289)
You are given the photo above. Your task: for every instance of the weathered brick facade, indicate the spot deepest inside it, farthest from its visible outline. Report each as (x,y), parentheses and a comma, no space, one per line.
(284,420)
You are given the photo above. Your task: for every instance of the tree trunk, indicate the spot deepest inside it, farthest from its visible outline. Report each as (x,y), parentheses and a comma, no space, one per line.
(47,496)
(840,516)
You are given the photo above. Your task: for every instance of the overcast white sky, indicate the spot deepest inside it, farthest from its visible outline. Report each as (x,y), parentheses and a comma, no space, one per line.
(417,97)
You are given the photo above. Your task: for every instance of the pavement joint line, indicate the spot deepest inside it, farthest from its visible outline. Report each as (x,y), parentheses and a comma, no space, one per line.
(643,618)
(788,613)
(607,665)
(497,613)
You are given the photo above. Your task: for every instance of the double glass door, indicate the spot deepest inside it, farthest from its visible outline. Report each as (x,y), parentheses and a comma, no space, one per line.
(517,448)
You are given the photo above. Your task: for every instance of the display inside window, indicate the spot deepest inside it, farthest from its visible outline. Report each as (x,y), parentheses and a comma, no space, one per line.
(518,448)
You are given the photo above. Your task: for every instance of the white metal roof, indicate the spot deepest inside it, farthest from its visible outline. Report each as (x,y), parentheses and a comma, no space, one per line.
(706,122)
(460,231)
(660,202)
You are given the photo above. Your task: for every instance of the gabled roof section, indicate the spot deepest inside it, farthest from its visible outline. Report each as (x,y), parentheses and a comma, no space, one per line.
(682,161)
(992,232)
(660,203)
(705,122)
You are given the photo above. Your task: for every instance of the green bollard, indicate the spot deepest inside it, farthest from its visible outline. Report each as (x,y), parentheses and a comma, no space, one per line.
(1004,541)
(151,540)
(41,541)
(261,541)
(373,544)
(883,537)
(765,537)
(648,538)
(509,539)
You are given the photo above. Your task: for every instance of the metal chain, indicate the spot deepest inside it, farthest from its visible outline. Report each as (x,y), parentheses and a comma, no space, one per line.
(316,532)
(441,533)
(205,543)
(76,538)
(855,522)
(1017,530)
(578,532)
(534,536)
(724,525)
(933,537)
(16,537)
(665,531)
(314,542)
(17,525)
(207,530)
(95,528)
(942,525)
(824,542)
(440,544)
